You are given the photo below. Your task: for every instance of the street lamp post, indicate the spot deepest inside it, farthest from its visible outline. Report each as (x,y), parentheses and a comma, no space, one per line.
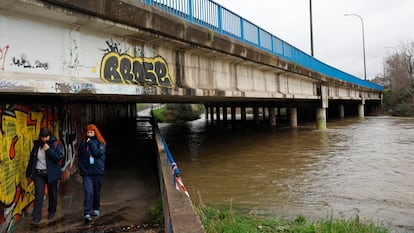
(363,41)
(311,27)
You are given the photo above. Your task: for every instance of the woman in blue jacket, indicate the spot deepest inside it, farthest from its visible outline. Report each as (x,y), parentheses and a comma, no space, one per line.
(91,157)
(44,169)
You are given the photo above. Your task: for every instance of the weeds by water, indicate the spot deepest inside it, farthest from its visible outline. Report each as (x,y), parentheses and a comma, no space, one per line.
(156,213)
(228,221)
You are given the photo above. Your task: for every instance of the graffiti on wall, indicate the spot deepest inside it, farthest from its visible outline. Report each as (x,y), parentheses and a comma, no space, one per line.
(72,60)
(120,64)
(23,62)
(20,126)
(3,53)
(69,137)
(119,67)
(113,46)
(122,68)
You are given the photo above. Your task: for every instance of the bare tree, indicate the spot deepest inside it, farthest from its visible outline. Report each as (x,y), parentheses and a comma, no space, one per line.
(398,71)
(399,67)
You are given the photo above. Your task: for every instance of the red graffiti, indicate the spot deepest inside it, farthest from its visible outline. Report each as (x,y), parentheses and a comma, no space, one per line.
(19,190)
(30,121)
(2,218)
(3,53)
(12,153)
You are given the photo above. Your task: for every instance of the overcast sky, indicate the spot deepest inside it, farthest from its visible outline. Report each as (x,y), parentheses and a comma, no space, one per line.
(337,39)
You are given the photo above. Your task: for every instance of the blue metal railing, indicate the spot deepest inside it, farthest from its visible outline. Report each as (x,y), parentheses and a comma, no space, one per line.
(209,14)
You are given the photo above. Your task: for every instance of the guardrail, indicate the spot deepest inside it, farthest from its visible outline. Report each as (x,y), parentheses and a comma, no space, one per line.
(209,14)
(179,213)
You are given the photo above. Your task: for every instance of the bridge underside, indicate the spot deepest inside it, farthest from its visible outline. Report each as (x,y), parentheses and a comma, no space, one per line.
(93,56)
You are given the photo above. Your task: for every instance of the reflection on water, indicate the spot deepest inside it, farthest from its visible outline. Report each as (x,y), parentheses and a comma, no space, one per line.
(357,166)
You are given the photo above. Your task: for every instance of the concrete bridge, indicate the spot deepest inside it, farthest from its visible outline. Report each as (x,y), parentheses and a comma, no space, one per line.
(65,63)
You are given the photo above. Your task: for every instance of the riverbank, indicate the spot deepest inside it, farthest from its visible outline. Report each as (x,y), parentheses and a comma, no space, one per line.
(215,220)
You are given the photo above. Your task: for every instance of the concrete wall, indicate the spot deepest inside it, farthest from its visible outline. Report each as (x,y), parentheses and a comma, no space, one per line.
(20,125)
(84,48)
(39,57)
(70,61)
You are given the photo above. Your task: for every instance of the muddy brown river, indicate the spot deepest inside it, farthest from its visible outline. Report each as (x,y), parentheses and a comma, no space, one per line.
(357,166)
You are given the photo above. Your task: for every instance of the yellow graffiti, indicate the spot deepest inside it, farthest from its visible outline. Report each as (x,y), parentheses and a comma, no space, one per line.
(16,141)
(125,69)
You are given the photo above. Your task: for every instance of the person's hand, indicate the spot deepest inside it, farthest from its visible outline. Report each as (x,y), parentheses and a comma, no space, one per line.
(87,140)
(29,180)
(46,147)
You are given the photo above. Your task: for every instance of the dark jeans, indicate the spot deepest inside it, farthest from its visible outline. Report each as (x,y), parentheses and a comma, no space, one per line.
(92,193)
(40,181)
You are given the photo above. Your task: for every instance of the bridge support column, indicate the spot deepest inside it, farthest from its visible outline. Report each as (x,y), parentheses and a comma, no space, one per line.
(272,116)
(211,113)
(206,112)
(132,110)
(243,114)
(361,108)
(217,113)
(256,115)
(278,112)
(293,117)
(321,118)
(341,111)
(233,114)
(361,113)
(225,113)
(321,112)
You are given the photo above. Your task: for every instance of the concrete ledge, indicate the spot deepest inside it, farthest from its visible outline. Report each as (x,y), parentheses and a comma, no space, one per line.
(179,213)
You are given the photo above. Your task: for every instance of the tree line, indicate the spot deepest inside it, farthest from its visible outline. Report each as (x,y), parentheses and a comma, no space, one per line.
(398,80)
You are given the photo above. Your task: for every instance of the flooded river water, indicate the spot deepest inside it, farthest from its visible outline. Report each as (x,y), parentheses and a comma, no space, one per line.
(356,167)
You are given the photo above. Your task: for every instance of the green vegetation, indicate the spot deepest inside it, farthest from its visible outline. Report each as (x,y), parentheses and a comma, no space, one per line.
(171,113)
(398,80)
(228,221)
(399,102)
(141,106)
(157,213)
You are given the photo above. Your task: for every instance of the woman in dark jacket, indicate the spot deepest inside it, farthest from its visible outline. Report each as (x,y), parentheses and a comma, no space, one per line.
(44,169)
(91,157)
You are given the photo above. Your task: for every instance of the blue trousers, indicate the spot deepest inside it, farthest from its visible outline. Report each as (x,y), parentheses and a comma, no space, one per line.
(40,181)
(92,193)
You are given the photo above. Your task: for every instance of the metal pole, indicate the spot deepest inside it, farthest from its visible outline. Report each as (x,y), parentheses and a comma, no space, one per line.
(311,27)
(363,42)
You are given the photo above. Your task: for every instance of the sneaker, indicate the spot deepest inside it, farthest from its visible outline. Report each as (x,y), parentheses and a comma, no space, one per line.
(35,222)
(52,218)
(88,218)
(96,213)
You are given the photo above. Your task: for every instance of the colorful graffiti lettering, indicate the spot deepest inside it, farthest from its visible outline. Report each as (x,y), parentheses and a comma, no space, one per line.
(19,130)
(125,69)
(20,126)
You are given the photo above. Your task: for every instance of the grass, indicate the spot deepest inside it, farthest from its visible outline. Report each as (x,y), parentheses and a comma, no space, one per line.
(229,221)
(157,212)
(158,114)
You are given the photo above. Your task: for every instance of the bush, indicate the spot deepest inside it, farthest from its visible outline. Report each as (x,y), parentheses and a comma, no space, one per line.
(178,113)
(399,102)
